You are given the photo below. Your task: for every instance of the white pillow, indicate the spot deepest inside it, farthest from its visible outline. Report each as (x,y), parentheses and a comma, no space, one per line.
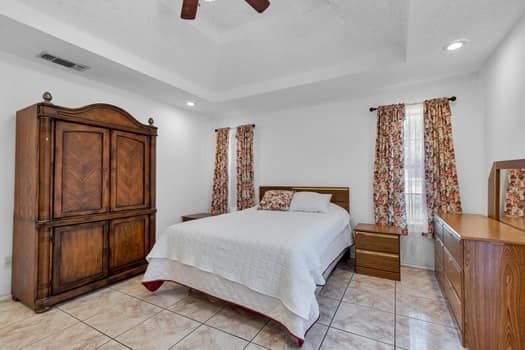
(310,202)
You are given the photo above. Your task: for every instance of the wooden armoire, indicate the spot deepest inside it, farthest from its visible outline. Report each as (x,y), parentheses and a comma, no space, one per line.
(84,213)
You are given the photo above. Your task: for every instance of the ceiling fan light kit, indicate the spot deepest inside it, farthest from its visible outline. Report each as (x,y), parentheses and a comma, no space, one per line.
(189,7)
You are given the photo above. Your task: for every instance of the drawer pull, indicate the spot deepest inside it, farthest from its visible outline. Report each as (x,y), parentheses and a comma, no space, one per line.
(376,235)
(376,253)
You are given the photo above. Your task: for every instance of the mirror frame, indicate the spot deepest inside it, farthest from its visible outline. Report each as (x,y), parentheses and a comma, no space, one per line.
(495,186)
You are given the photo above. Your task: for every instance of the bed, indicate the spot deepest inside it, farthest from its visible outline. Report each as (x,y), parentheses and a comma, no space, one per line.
(268,262)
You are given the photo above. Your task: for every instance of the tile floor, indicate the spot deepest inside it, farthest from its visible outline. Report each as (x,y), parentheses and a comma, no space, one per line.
(357,312)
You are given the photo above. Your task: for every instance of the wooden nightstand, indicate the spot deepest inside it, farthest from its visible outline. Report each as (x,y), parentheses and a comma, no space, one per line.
(377,251)
(195,216)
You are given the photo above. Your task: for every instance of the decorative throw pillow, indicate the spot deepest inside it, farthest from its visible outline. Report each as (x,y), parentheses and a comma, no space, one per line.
(276,200)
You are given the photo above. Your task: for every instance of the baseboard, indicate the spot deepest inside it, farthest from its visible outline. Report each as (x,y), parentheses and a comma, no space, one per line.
(5,297)
(418,267)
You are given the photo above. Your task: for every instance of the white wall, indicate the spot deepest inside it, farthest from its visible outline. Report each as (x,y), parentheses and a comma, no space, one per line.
(333,145)
(184,159)
(504,96)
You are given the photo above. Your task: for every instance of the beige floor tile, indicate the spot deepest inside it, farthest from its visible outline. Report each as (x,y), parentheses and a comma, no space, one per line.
(425,309)
(343,274)
(339,340)
(275,337)
(327,309)
(253,346)
(89,305)
(419,283)
(78,336)
(197,307)
(30,330)
(207,338)
(134,287)
(159,332)
(372,282)
(345,264)
(113,345)
(367,294)
(420,335)
(114,321)
(334,288)
(238,322)
(167,295)
(365,321)
(11,311)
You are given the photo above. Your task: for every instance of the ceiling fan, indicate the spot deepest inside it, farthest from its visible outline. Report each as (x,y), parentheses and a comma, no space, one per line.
(189,7)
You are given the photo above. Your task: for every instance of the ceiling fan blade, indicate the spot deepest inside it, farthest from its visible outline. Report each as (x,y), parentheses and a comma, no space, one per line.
(259,5)
(189,9)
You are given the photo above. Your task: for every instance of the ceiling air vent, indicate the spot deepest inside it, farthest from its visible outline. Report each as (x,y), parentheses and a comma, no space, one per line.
(63,62)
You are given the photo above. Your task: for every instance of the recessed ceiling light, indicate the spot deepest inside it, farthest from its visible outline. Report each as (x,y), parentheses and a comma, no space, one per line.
(455,45)
(190,104)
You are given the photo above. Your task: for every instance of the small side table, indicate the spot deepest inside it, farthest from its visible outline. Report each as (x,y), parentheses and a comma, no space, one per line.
(197,216)
(377,251)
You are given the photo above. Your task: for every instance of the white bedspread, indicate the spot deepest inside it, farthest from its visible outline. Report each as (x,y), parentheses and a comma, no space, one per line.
(271,252)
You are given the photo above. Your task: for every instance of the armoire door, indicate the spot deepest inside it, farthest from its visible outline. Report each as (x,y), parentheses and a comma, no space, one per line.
(79,255)
(130,165)
(81,184)
(128,242)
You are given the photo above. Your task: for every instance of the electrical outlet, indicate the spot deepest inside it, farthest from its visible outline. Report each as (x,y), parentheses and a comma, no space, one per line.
(8,260)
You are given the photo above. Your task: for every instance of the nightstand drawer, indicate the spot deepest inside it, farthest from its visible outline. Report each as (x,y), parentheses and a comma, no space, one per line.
(377,260)
(377,242)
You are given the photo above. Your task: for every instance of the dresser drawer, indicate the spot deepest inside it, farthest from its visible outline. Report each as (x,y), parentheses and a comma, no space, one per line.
(455,304)
(377,260)
(453,244)
(454,272)
(377,242)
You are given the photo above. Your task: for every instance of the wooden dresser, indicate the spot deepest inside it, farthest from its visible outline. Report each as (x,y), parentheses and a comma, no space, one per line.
(377,251)
(480,266)
(84,213)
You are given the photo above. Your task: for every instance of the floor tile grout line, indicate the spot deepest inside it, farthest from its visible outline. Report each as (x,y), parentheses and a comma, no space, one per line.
(186,336)
(361,336)
(96,329)
(260,330)
(47,336)
(337,309)
(167,309)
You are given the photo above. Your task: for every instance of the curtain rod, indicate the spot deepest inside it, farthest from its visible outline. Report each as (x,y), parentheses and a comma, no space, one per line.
(235,127)
(372,109)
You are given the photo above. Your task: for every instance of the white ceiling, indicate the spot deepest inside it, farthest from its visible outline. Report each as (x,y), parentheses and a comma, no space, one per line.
(232,56)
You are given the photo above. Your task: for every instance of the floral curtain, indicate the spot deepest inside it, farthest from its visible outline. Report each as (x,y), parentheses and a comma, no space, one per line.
(515,193)
(245,183)
(389,196)
(441,178)
(219,201)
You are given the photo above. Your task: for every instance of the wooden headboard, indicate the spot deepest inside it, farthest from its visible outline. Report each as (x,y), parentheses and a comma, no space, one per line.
(340,195)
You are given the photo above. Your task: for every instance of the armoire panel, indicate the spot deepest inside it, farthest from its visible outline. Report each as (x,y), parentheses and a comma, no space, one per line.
(129,176)
(79,255)
(81,170)
(128,241)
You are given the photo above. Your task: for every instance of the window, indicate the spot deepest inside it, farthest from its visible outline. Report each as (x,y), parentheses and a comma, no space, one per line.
(416,205)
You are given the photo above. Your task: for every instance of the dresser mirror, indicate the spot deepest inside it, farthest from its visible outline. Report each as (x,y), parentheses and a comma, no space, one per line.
(507,192)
